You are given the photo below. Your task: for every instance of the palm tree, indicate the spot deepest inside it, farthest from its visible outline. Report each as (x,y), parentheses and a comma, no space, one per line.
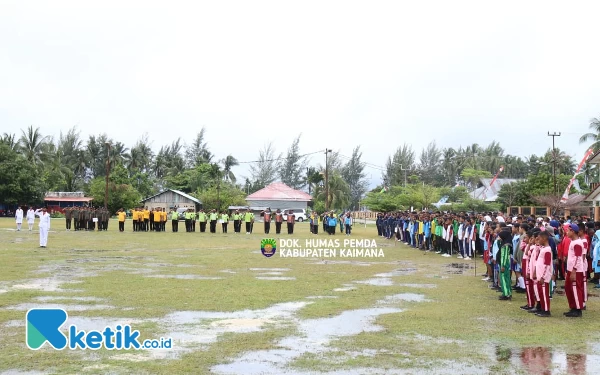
(228,163)
(313,178)
(32,145)
(594,136)
(339,192)
(10,140)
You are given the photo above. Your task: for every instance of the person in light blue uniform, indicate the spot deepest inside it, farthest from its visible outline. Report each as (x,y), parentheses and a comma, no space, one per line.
(596,255)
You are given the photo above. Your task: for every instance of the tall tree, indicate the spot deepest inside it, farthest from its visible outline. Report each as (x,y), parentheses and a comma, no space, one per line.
(292,167)
(399,164)
(353,173)
(10,140)
(594,135)
(228,163)
(141,156)
(32,144)
(198,153)
(429,165)
(339,192)
(264,171)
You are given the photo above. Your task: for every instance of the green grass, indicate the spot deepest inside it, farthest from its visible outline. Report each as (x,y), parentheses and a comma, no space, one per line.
(461,312)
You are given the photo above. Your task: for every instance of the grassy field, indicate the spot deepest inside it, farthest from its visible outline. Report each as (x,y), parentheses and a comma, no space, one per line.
(229,309)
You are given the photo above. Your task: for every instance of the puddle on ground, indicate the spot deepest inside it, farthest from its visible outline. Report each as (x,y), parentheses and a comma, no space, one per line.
(45,285)
(228,271)
(315,336)
(321,297)
(354,262)
(398,272)
(20,372)
(543,360)
(408,297)
(191,330)
(186,277)
(270,274)
(56,298)
(346,288)
(424,286)
(282,278)
(270,269)
(377,282)
(68,307)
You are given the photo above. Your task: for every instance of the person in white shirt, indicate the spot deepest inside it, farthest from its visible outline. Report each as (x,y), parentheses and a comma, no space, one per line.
(19,218)
(44,226)
(500,218)
(30,218)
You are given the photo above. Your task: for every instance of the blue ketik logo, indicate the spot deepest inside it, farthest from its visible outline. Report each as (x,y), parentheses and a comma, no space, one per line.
(44,325)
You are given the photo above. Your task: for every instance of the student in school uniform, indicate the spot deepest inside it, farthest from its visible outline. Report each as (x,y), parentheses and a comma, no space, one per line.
(543,274)
(348,224)
(575,274)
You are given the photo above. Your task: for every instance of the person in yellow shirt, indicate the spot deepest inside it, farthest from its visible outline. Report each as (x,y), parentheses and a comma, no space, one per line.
(213,221)
(202,220)
(121,214)
(163,219)
(146,224)
(157,219)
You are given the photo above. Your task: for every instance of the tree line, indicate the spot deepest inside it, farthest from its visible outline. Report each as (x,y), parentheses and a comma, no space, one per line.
(32,164)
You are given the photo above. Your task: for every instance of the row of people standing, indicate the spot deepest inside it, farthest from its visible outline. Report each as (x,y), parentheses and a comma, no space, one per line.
(330,221)
(86,218)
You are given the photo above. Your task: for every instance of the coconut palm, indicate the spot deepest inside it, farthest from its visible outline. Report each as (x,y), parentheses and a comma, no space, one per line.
(10,140)
(32,145)
(228,163)
(593,136)
(339,192)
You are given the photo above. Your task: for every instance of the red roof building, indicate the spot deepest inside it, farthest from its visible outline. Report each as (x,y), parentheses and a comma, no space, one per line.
(279,195)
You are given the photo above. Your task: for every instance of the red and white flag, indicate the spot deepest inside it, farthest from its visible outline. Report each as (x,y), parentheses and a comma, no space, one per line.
(565,196)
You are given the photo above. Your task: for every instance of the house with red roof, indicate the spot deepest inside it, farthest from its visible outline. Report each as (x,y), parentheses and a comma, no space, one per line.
(279,195)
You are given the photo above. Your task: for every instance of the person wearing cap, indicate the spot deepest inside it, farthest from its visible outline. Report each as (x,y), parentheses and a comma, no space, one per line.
(266,214)
(575,274)
(278,221)
(44,225)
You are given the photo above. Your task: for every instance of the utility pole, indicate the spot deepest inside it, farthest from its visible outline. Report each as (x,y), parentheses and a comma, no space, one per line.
(107,174)
(404,169)
(553,135)
(327,151)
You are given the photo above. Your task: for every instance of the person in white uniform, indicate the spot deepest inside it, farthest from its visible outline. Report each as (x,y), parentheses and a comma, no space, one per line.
(19,218)
(30,218)
(44,226)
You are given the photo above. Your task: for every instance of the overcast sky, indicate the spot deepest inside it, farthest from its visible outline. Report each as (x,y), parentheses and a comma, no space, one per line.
(342,73)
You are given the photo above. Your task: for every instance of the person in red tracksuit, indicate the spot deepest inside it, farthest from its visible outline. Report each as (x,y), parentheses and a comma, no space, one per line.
(575,274)
(543,274)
